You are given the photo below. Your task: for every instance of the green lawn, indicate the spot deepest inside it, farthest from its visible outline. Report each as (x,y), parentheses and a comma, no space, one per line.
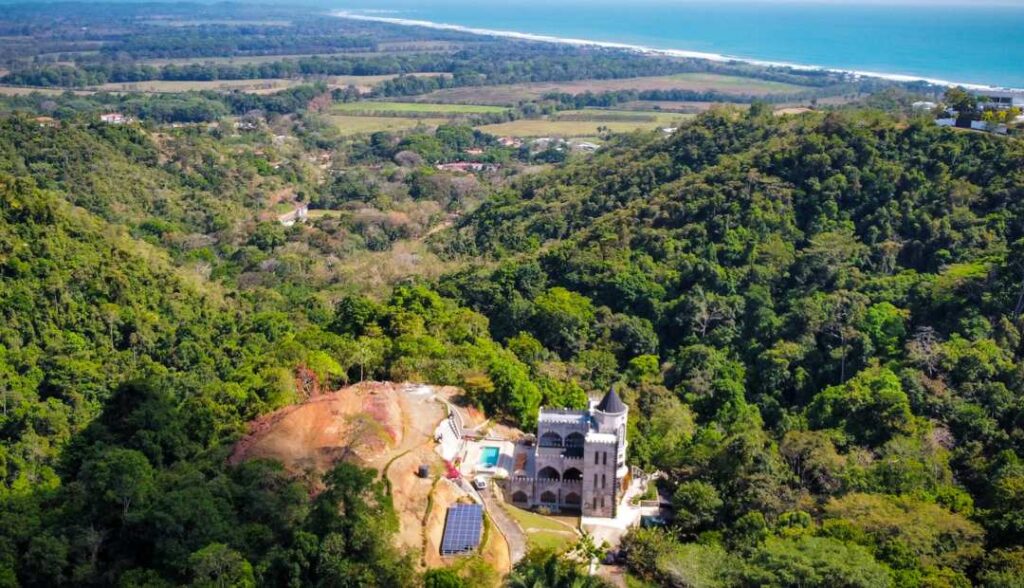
(541,531)
(427,108)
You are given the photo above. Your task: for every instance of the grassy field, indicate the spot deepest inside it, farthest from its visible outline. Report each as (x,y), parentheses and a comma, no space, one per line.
(541,531)
(420,108)
(363,83)
(254,86)
(512,93)
(585,123)
(355,125)
(23,91)
(239,60)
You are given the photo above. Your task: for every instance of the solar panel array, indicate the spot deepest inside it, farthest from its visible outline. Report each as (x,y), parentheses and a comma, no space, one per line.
(462,529)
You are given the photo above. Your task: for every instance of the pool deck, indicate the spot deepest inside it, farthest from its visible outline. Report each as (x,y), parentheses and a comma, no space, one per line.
(472,462)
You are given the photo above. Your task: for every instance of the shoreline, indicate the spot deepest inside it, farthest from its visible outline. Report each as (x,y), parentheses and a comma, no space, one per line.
(715,57)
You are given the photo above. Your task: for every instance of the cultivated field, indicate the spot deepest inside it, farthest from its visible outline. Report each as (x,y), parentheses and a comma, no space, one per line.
(24,91)
(419,108)
(362,83)
(158,86)
(512,93)
(240,60)
(585,123)
(356,125)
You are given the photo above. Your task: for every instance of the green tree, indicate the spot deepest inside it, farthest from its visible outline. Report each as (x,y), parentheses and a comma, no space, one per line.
(219,566)
(870,407)
(119,477)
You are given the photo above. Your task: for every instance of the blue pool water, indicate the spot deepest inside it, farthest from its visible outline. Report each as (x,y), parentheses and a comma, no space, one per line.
(966,41)
(489,457)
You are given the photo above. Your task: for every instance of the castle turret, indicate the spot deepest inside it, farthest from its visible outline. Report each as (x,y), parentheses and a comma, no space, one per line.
(610,415)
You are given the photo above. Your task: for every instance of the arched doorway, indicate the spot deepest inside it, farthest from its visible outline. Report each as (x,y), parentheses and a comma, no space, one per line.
(520,498)
(572,475)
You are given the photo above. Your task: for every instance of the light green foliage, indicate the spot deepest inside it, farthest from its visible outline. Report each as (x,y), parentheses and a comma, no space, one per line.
(926,531)
(884,323)
(658,558)
(563,320)
(870,408)
(814,561)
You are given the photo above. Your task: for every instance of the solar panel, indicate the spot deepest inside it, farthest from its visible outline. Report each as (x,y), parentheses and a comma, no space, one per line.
(462,529)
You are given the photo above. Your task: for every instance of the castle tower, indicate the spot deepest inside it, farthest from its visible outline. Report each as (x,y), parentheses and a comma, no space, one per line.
(610,415)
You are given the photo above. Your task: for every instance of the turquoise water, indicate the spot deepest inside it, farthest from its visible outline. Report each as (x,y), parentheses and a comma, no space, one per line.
(976,42)
(489,457)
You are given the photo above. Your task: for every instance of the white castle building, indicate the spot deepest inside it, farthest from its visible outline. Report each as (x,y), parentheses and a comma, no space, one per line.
(578,462)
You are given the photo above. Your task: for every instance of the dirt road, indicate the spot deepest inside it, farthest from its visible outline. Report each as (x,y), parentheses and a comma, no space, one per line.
(508,527)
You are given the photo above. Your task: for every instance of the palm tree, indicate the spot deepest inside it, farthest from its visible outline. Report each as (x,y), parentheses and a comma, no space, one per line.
(546,569)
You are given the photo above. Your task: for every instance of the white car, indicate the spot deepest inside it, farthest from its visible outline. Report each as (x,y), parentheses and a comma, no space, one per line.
(480,483)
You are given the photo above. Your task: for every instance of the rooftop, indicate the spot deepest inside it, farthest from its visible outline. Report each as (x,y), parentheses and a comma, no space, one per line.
(611,403)
(563,415)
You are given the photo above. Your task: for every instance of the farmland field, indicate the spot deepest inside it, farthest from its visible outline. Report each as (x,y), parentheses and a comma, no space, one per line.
(24,91)
(585,123)
(363,83)
(254,86)
(355,125)
(699,82)
(241,59)
(415,108)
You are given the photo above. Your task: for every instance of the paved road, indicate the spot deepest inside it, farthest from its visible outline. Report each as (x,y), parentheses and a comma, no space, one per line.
(509,528)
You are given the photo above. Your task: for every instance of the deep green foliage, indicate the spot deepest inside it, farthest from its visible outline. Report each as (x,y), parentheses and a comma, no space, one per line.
(834,297)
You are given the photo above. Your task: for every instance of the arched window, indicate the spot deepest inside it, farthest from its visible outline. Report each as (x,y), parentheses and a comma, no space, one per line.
(549,473)
(520,498)
(573,499)
(549,497)
(572,475)
(574,440)
(550,439)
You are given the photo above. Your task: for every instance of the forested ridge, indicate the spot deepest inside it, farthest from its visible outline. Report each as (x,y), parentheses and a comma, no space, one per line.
(819,319)
(815,319)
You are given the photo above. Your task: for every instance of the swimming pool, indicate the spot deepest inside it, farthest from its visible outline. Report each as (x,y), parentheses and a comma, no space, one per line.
(489,457)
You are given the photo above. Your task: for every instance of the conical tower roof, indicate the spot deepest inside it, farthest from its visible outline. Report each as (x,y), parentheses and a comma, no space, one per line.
(611,403)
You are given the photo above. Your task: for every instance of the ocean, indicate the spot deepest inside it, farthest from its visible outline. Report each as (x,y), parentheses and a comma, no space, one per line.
(975,43)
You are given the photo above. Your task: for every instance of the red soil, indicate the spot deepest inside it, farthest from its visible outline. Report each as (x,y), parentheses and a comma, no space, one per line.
(359,423)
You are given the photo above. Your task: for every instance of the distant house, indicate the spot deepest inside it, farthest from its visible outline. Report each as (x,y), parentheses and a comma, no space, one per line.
(924,105)
(1000,100)
(468,166)
(47,122)
(474,151)
(113,118)
(510,142)
(300,213)
(586,146)
(980,125)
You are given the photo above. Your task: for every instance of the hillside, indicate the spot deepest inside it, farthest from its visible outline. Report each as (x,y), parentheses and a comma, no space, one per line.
(816,320)
(819,319)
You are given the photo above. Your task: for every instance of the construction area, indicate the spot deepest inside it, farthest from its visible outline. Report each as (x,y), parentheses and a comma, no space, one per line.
(391,428)
(434,454)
